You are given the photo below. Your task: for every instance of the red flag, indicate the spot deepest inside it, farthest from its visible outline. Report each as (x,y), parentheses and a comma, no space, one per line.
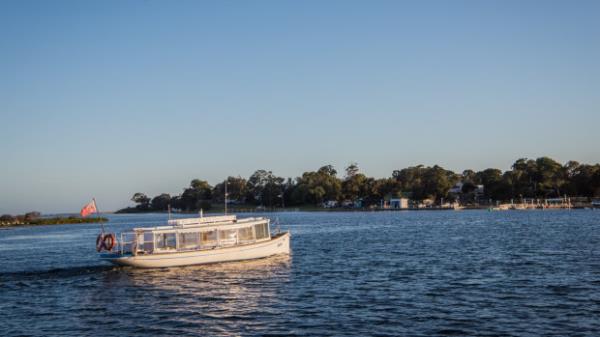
(88,209)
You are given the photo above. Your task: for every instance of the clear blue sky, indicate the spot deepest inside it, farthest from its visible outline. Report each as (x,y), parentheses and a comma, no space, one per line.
(109,98)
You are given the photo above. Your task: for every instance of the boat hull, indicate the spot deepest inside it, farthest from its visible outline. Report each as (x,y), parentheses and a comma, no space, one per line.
(279,244)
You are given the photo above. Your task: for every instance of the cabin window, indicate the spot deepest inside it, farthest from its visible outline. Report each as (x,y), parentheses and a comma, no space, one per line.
(228,237)
(166,241)
(245,234)
(128,240)
(209,238)
(262,231)
(148,243)
(189,240)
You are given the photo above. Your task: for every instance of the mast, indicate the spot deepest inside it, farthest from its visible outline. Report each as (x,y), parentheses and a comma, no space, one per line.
(225,196)
(98,214)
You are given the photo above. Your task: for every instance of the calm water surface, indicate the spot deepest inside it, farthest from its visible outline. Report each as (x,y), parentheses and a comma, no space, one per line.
(526,273)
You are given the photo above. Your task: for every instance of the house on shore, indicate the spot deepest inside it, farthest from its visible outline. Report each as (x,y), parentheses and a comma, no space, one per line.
(395,203)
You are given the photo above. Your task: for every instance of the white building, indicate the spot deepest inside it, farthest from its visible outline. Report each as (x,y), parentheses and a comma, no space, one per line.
(395,203)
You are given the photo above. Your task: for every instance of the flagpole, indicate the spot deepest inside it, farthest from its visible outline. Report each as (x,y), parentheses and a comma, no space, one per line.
(98,214)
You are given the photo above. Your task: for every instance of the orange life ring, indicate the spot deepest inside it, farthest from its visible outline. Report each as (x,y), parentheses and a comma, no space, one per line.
(109,241)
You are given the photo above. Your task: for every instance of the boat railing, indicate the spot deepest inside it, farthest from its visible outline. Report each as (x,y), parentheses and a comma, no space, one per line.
(203,220)
(133,243)
(126,242)
(171,240)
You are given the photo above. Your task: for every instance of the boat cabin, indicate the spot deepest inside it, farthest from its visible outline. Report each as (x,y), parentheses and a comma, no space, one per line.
(203,233)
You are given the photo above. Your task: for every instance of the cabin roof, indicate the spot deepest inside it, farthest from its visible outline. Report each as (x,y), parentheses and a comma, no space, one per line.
(204,223)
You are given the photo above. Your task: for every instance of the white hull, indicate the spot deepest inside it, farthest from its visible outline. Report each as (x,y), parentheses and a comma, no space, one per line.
(279,244)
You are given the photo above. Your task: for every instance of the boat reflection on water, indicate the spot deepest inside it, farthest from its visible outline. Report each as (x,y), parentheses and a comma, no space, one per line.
(208,299)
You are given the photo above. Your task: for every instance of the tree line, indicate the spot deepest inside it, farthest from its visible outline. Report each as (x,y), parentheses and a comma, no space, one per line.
(528,178)
(35,218)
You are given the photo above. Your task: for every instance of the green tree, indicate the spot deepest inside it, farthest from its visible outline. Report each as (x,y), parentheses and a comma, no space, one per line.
(382,188)
(32,216)
(236,190)
(491,179)
(524,178)
(197,196)
(316,187)
(471,177)
(7,218)
(161,202)
(355,187)
(496,185)
(426,182)
(264,188)
(586,180)
(437,181)
(410,180)
(176,202)
(288,191)
(351,170)
(142,201)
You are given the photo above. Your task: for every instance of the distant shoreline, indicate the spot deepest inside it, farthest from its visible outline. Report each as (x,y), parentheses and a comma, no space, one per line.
(76,220)
(321,209)
(52,221)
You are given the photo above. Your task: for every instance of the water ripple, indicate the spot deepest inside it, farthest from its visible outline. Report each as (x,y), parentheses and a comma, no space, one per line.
(350,274)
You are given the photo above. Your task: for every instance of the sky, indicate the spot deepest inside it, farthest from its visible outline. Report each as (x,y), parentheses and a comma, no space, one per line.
(107,98)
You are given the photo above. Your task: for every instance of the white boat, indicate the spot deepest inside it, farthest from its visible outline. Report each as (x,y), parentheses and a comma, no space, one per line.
(194,241)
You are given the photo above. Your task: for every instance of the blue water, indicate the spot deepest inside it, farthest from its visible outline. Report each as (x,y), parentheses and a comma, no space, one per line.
(522,273)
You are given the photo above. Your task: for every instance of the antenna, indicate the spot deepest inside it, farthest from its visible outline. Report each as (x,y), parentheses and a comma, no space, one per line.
(98,215)
(226,196)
